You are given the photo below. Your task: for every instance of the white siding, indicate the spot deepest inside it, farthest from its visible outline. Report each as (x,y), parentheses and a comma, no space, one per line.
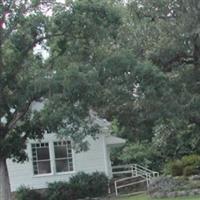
(95,159)
(108,162)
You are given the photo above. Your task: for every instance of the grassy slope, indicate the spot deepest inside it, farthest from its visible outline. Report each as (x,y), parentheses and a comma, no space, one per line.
(144,197)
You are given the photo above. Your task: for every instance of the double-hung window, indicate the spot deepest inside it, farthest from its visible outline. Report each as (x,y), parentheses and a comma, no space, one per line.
(63,156)
(41,158)
(42,154)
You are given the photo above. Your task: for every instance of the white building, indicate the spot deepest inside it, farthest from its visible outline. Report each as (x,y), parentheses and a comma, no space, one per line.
(52,159)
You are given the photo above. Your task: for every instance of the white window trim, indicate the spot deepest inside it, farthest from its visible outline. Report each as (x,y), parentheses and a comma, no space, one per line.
(54,163)
(45,174)
(52,160)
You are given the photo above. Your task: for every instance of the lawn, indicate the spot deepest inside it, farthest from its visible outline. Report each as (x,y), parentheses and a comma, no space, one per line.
(144,197)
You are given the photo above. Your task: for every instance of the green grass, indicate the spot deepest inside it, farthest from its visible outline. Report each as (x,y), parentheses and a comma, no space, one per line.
(144,197)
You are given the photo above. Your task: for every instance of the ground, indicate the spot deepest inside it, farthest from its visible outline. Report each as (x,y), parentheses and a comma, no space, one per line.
(144,197)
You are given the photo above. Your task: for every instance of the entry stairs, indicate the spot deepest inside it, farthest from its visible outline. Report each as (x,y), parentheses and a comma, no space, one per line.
(132,179)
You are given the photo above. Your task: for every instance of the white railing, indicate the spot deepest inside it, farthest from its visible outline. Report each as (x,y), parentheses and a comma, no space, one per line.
(134,170)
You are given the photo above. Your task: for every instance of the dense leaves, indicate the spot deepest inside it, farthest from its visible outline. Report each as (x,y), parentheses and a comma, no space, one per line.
(80,186)
(166,33)
(135,63)
(187,166)
(60,75)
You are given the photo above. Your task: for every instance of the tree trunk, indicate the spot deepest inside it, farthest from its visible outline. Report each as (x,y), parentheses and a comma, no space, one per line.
(5,191)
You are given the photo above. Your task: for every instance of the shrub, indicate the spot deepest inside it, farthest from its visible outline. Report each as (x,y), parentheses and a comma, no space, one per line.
(191,160)
(79,186)
(187,166)
(176,168)
(90,185)
(190,170)
(25,193)
(81,183)
(98,185)
(60,190)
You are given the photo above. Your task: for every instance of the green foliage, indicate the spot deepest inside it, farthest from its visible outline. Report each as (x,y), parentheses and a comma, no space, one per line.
(187,166)
(191,160)
(136,64)
(81,181)
(99,184)
(128,94)
(140,153)
(25,193)
(174,138)
(79,186)
(164,33)
(175,168)
(190,170)
(65,81)
(60,190)
(93,185)
(51,59)
(191,165)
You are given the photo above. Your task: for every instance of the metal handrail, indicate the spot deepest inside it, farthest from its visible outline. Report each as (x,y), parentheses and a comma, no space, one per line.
(136,167)
(130,165)
(136,171)
(129,184)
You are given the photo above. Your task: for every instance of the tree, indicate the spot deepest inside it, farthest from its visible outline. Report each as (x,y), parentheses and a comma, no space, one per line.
(64,82)
(130,91)
(176,52)
(166,34)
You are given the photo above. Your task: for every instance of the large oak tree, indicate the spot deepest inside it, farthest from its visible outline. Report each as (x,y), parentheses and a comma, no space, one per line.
(166,33)
(57,75)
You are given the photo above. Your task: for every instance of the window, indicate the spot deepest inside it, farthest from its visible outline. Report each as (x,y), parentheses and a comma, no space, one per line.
(41,158)
(63,156)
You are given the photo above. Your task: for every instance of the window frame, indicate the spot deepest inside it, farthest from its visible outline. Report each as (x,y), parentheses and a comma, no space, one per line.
(44,174)
(66,158)
(52,158)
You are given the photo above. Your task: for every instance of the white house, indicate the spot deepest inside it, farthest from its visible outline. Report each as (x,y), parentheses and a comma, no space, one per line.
(53,159)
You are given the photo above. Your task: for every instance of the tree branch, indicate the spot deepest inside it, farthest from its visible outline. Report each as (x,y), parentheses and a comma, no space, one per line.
(178,59)
(154,17)
(40,39)
(18,115)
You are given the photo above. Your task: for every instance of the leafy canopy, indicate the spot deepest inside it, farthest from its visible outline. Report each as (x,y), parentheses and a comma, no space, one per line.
(64,81)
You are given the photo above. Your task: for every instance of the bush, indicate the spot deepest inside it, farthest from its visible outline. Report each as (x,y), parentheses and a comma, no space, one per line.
(98,185)
(140,152)
(190,170)
(81,183)
(187,166)
(60,190)
(176,168)
(191,160)
(25,193)
(79,186)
